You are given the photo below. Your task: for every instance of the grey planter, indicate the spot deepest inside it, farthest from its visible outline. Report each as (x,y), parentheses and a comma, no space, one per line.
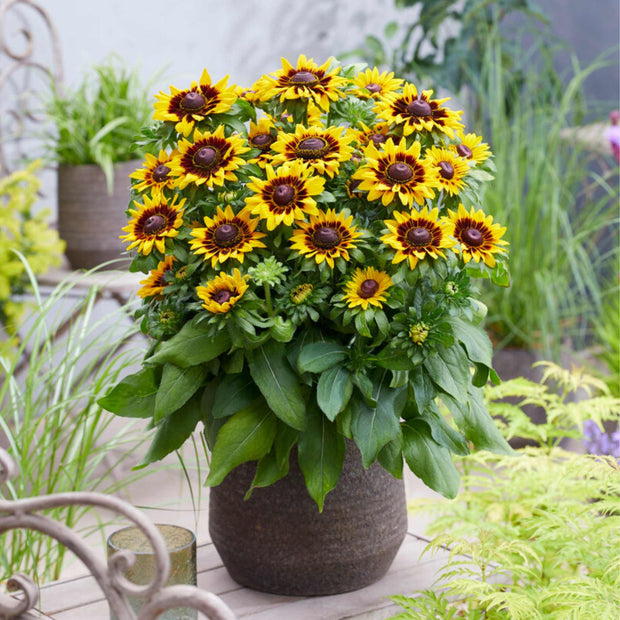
(278,542)
(89,219)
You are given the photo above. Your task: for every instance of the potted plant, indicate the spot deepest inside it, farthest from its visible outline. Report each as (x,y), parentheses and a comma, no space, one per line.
(310,300)
(95,127)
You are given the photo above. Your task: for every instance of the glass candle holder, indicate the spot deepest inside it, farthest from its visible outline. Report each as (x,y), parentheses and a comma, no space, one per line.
(181,546)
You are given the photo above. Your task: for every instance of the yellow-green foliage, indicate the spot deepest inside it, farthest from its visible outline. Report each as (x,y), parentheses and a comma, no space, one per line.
(25,231)
(535,535)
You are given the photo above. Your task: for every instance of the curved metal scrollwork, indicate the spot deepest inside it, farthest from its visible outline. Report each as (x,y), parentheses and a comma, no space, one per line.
(21,514)
(21,62)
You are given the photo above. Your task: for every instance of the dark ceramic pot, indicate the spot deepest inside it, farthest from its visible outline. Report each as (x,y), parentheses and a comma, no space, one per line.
(278,542)
(89,219)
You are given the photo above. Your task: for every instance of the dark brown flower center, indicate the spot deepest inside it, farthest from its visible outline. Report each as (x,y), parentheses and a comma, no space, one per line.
(464,151)
(326,237)
(160,174)
(446,170)
(226,235)
(283,195)
(419,107)
(472,236)
(368,288)
(378,138)
(205,157)
(262,141)
(311,147)
(221,297)
(303,77)
(373,88)
(419,236)
(154,224)
(399,172)
(193,101)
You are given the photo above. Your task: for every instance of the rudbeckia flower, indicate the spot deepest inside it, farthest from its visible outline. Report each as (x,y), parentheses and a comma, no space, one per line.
(479,239)
(222,292)
(418,112)
(185,107)
(326,237)
(450,168)
(306,81)
(471,148)
(396,171)
(155,174)
(286,195)
(415,236)
(226,236)
(322,149)
(371,84)
(155,283)
(209,159)
(367,287)
(152,223)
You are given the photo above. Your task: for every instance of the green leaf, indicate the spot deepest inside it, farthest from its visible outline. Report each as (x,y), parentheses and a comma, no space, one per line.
(234,392)
(373,427)
(247,436)
(449,369)
(173,431)
(177,386)
(394,359)
(443,433)
(424,391)
(391,456)
(475,340)
(472,417)
(278,383)
(321,454)
(134,396)
(320,356)
(334,390)
(193,345)
(428,460)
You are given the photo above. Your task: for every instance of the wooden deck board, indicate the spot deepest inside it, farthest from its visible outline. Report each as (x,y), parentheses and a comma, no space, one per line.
(79,598)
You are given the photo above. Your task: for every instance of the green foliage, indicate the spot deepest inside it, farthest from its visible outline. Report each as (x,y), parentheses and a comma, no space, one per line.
(607,330)
(59,437)
(533,535)
(98,121)
(23,231)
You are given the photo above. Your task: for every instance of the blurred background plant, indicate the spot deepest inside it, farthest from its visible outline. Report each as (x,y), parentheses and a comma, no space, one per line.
(50,423)
(533,535)
(23,230)
(561,210)
(96,123)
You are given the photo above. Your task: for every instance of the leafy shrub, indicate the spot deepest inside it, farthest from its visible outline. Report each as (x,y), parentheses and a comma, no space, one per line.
(536,535)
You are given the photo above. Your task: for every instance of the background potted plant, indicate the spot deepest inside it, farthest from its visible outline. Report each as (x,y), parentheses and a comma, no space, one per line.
(309,299)
(95,127)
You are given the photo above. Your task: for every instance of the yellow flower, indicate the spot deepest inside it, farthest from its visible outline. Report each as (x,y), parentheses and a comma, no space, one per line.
(155,283)
(247,94)
(418,112)
(471,148)
(377,134)
(210,159)
(478,237)
(155,174)
(152,223)
(307,81)
(261,136)
(451,169)
(321,148)
(396,171)
(185,107)
(415,236)
(326,237)
(286,195)
(222,292)
(372,85)
(226,236)
(367,287)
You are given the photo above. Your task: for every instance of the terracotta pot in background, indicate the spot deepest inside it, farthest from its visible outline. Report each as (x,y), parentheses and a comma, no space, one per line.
(89,219)
(278,542)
